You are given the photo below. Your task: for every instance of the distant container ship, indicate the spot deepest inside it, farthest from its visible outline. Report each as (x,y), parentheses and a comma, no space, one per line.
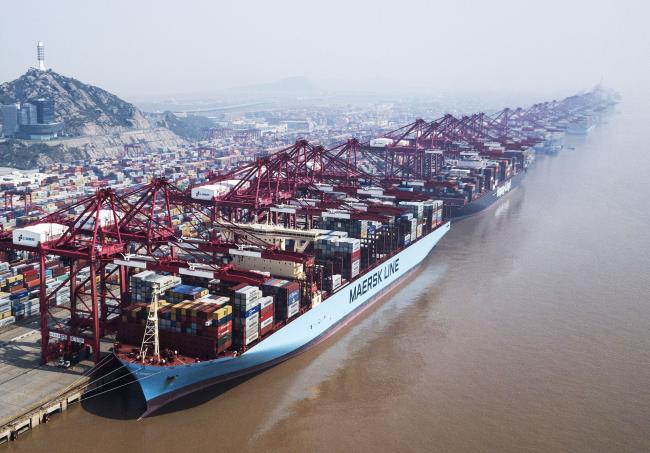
(473,181)
(581,126)
(486,199)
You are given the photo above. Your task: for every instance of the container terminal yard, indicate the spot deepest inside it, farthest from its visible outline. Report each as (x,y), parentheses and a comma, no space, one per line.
(208,272)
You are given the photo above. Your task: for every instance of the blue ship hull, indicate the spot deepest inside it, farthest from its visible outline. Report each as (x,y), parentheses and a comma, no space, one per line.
(161,385)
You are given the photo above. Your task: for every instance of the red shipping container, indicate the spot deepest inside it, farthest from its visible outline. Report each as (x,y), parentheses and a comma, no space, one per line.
(266,326)
(225,328)
(57,272)
(266,311)
(225,346)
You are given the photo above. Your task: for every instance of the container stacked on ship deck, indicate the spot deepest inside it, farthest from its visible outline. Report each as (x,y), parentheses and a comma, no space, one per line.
(144,284)
(286,297)
(222,322)
(190,322)
(207,317)
(182,293)
(407,229)
(333,282)
(246,309)
(266,315)
(340,221)
(346,251)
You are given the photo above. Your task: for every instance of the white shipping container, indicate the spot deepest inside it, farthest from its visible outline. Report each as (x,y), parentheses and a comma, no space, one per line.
(35,234)
(252,321)
(7,321)
(214,300)
(208,192)
(248,292)
(381,142)
(356,267)
(254,335)
(293,309)
(265,302)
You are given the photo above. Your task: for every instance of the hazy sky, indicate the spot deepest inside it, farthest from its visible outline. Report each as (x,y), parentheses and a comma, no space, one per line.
(158,47)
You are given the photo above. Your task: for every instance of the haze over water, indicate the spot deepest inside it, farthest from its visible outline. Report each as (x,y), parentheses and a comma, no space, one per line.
(527,329)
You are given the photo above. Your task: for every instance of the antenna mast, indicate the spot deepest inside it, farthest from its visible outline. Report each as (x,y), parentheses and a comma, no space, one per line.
(40,55)
(150,338)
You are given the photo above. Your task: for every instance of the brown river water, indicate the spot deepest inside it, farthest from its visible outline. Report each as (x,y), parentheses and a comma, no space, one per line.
(526,330)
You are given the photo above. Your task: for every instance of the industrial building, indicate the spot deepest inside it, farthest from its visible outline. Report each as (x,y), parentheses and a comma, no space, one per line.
(33,120)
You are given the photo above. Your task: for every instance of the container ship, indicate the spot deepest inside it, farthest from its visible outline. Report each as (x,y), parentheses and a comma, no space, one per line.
(256,327)
(471,161)
(287,278)
(467,178)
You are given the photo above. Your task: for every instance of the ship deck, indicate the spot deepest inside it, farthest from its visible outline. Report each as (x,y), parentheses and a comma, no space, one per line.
(128,353)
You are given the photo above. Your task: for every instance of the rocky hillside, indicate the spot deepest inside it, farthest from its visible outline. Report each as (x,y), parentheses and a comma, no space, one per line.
(186,126)
(26,155)
(96,122)
(84,109)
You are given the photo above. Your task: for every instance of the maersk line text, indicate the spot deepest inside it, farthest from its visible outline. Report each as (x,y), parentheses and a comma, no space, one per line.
(374,279)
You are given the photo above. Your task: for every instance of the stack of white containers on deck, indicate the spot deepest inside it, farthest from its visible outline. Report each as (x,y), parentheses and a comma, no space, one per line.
(144,284)
(246,311)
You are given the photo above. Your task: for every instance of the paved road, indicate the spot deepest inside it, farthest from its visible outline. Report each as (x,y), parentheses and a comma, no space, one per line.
(24,384)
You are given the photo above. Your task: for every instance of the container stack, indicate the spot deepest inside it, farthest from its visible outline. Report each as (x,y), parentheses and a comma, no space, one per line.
(350,251)
(432,214)
(204,317)
(340,221)
(286,297)
(216,317)
(180,293)
(414,207)
(266,315)
(5,305)
(136,313)
(407,229)
(333,282)
(347,249)
(246,309)
(200,328)
(145,284)
(24,307)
